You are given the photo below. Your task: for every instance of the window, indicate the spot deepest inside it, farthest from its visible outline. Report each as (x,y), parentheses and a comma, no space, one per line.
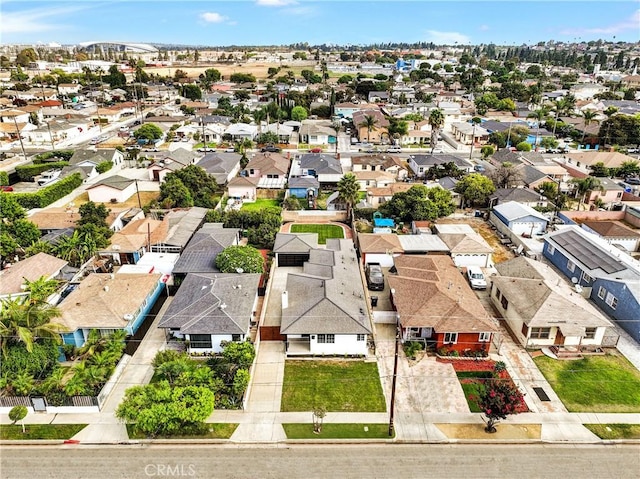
(450,338)
(525,330)
(611,301)
(586,278)
(498,294)
(601,292)
(236,337)
(504,302)
(360,337)
(551,249)
(326,338)
(484,337)
(590,333)
(571,266)
(200,341)
(540,333)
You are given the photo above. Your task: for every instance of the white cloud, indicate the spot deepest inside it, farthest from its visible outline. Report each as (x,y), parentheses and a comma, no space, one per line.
(446,38)
(37,20)
(213,17)
(275,3)
(629,24)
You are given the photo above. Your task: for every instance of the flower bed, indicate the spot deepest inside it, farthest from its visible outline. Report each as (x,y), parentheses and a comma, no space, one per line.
(466,365)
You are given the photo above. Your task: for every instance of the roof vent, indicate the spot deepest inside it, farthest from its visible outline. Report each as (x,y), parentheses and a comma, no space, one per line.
(128,317)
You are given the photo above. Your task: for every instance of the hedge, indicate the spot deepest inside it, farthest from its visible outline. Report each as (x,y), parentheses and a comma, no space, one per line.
(61,155)
(4,178)
(49,194)
(27,172)
(104,166)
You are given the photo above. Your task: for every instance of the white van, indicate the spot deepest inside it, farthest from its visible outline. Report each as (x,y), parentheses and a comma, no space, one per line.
(476,278)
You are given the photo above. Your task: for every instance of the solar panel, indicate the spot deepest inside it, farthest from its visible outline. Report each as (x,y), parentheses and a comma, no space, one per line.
(587,253)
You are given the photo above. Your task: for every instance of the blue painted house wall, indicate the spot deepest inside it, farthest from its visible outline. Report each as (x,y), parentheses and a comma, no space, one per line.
(561,262)
(627,310)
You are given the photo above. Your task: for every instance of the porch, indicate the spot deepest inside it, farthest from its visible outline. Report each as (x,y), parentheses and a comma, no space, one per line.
(572,352)
(298,347)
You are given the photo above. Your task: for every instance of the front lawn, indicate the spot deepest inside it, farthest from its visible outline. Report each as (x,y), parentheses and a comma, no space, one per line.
(324,231)
(615,431)
(40,431)
(338,431)
(594,384)
(348,386)
(260,205)
(472,384)
(212,431)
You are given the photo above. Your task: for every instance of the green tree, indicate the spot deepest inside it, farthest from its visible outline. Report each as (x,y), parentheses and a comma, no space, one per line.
(191,92)
(620,129)
(497,400)
(18,413)
(161,410)
(549,142)
(549,190)
(588,117)
(241,354)
(236,259)
(599,170)
(26,56)
(174,193)
(369,122)
(584,186)
(436,120)
(148,131)
(523,146)
(299,113)
(487,151)
(348,191)
(475,188)
(201,186)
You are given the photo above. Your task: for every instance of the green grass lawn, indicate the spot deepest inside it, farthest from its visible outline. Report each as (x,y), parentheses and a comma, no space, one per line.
(216,431)
(594,384)
(324,231)
(40,431)
(615,431)
(338,431)
(350,386)
(471,390)
(260,204)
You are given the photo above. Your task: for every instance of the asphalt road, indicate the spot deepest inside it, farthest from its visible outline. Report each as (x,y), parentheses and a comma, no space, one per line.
(322,461)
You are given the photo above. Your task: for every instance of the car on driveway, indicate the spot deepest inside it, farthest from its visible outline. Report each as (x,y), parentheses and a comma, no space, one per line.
(632,180)
(476,278)
(375,277)
(479,168)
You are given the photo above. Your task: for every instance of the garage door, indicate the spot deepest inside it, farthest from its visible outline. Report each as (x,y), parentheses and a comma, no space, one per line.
(291,259)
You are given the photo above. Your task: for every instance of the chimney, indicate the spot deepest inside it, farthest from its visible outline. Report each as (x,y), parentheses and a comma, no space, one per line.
(285,300)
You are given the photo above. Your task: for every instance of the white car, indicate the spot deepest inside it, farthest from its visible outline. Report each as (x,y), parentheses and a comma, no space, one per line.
(476,278)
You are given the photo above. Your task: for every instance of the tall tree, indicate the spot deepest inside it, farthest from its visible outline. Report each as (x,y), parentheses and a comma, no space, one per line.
(436,120)
(369,122)
(348,191)
(585,186)
(588,117)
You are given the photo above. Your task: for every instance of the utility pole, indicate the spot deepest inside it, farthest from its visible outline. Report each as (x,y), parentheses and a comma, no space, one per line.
(53,146)
(392,403)
(473,139)
(24,154)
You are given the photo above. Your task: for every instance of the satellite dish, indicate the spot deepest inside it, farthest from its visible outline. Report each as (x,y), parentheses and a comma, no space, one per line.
(574,280)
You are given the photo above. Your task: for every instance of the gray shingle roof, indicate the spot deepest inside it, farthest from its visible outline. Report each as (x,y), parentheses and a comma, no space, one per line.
(199,256)
(295,243)
(213,303)
(321,163)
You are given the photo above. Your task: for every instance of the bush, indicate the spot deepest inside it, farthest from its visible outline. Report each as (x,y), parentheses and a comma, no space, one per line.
(411,348)
(166,356)
(49,194)
(4,178)
(523,146)
(63,155)
(27,172)
(104,166)
(37,363)
(499,366)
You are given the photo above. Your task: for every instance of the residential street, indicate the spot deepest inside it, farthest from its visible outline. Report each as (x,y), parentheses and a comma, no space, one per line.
(322,461)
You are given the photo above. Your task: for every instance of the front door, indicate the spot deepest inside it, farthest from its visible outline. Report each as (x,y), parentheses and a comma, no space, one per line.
(559,338)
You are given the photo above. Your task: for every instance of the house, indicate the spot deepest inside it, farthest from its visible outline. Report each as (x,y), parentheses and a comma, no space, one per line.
(379,162)
(317,133)
(242,187)
(467,247)
(54,219)
(609,275)
(268,169)
(607,192)
(113,189)
(129,244)
(304,187)
(222,166)
(346,110)
(519,219)
(435,303)
(379,195)
(167,162)
(108,302)
(323,306)
(374,179)
(241,131)
(542,310)
(32,268)
(293,249)
(326,168)
(87,157)
(468,134)
(615,233)
(210,308)
(524,196)
(420,164)
(379,134)
(610,159)
(199,256)
(379,248)
(181,224)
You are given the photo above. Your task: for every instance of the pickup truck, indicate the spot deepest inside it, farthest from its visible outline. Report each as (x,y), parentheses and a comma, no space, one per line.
(375,277)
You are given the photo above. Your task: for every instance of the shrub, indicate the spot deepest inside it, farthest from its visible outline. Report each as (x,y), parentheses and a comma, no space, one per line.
(499,366)
(411,348)
(63,155)
(523,146)
(37,363)
(104,166)
(4,178)
(49,194)
(165,356)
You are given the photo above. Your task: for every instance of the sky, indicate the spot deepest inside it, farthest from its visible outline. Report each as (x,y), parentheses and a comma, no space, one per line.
(277,22)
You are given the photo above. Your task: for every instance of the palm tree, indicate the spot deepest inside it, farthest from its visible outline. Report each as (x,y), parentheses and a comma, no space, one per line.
(369,123)
(40,289)
(26,322)
(436,120)
(588,117)
(259,114)
(584,186)
(348,191)
(539,115)
(336,127)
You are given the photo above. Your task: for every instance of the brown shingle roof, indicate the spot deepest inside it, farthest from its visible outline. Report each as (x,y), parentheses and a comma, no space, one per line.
(32,268)
(379,243)
(611,229)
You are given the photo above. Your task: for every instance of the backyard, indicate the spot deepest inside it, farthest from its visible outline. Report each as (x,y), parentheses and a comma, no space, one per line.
(594,384)
(347,386)
(324,231)
(260,204)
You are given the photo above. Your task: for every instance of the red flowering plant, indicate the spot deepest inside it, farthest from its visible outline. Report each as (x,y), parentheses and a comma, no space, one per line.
(498,399)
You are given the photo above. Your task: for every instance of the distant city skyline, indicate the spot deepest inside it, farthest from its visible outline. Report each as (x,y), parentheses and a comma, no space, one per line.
(282,22)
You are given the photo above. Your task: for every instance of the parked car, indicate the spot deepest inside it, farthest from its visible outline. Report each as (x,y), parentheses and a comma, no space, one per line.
(479,168)
(394,149)
(316,150)
(476,278)
(6,188)
(270,149)
(230,149)
(632,180)
(375,277)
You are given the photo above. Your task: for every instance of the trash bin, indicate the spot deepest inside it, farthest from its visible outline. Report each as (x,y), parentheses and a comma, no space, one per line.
(374,301)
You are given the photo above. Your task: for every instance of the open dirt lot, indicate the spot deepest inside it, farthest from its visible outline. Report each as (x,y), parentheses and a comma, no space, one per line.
(500,252)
